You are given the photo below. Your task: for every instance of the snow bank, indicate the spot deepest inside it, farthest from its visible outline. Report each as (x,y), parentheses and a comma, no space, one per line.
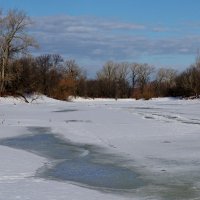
(80,99)
(34,99)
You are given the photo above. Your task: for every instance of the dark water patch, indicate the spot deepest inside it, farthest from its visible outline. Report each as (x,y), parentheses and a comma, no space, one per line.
(143,108)
(46,145)
(189,122)
(166,116)
(97,175)
(167,142)
(149,117)
(78,121)
(65,110)
(82,164)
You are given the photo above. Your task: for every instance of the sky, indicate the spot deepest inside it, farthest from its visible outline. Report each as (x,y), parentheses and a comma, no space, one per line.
(163,33)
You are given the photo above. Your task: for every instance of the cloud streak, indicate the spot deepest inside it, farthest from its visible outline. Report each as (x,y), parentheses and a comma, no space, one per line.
(91,39)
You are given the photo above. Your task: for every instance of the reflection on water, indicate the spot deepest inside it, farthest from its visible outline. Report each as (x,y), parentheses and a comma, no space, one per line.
(73,162)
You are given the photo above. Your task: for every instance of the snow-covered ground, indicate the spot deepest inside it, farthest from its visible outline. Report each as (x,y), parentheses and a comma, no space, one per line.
(159,139)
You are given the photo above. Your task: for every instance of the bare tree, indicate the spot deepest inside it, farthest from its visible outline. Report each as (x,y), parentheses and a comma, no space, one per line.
(165,80)
(122,70)
(192,80)
(134,74)
(72,69)
(107,79)
(44,65)
(57,60)
(166,76)
(74,77)
(13,40)
(144,72)
(108,71)
(122,83)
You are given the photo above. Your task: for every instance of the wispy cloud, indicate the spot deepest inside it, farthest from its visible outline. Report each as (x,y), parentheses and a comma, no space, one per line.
(96,39)
(160,29)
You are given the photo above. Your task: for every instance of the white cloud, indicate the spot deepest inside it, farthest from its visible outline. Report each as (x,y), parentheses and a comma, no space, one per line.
(90,39)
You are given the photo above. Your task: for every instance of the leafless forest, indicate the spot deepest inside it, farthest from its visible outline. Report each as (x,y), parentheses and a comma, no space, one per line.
(50,74)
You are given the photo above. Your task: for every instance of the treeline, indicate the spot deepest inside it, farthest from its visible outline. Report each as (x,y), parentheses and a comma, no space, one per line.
(55,77)
(58,78)
(45,74)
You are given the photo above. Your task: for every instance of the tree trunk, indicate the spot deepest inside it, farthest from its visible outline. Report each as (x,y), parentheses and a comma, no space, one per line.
(4,65)
(2,77)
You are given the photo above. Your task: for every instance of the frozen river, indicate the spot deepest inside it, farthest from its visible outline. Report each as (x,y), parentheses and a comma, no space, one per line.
(81,164)
(100,149)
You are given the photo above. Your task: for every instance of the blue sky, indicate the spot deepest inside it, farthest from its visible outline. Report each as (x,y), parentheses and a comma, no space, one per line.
(164,33)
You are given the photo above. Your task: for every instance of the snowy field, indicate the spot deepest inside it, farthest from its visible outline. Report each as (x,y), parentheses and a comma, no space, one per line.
(159,140)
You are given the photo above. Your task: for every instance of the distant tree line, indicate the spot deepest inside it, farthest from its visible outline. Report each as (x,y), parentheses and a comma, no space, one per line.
(55,77)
